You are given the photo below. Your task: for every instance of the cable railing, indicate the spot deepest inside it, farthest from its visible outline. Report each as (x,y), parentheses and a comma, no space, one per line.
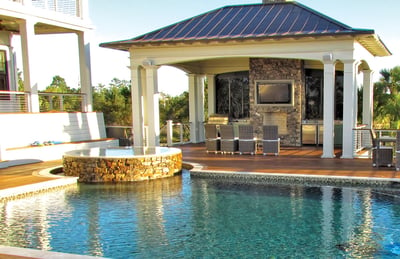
(68,7)
(176,133)
(63,102)
(363,139)
(12,101)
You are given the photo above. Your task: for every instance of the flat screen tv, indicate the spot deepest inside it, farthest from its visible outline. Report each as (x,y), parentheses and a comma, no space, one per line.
(274,93)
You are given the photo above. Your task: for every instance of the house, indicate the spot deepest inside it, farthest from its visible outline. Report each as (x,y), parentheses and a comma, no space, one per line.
(22,119)
(278,62)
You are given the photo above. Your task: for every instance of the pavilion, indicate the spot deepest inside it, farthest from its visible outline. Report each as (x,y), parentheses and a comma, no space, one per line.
(278,62)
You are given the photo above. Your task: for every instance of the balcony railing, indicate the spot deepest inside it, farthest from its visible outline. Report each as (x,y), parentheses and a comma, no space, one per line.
(363,139)
(68,7)
(12,101)
(63,102)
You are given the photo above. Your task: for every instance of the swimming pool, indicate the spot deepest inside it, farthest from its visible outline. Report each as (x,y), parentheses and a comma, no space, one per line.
(189,217)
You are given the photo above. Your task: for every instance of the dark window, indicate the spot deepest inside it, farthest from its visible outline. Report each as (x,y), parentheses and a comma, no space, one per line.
(3,72)
(232,94)
(314,94)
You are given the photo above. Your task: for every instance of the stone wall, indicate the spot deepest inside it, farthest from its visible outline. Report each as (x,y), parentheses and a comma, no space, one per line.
(278,69)
(102,169)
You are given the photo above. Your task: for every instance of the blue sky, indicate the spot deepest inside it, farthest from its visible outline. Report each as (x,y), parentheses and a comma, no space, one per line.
(124,19)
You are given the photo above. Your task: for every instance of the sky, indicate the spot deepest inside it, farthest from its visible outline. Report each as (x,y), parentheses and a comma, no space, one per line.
(125,19)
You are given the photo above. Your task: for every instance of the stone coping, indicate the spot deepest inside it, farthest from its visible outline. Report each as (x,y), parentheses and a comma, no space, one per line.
(24,253)
(82,153)
(57,182)
(198,171)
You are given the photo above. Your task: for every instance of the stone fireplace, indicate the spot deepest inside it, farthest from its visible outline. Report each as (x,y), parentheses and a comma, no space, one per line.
(288,116)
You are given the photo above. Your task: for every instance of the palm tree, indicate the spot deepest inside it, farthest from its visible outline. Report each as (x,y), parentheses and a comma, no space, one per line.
(387,99)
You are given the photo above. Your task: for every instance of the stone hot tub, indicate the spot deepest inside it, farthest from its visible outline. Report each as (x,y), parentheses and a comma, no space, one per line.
(122,164)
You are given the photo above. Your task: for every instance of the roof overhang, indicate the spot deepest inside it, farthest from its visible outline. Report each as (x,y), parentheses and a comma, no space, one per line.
(368,40)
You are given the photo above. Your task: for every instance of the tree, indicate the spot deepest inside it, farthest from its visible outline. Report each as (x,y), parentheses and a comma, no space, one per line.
(387,99)
(114,101)
(53,101)
(174,108)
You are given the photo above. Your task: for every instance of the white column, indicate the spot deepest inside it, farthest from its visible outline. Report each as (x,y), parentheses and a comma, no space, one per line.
(196,110)
(200,107)
(30,69)
(152,111)
(368,93)
(85,70)
(329,108)
(349,108)
(137,106)
(211,94)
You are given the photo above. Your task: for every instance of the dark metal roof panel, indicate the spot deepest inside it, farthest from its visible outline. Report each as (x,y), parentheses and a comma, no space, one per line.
(249,21)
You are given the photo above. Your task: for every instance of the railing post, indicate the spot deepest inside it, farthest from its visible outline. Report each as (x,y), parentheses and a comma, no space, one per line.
(50,102)
(61,100)
(181,132)
(169,133)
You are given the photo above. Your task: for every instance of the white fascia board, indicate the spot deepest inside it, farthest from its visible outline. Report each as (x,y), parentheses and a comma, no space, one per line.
(312,49)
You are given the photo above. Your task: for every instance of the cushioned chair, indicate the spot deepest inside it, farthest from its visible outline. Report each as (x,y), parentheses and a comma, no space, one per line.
(247,143)
(229,144)
(381,155)
(213,142)
(271,140)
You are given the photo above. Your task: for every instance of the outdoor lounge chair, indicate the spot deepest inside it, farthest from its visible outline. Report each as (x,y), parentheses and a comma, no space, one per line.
(381,155)
(229,144)
(247,143)
(271,140)
(213,142)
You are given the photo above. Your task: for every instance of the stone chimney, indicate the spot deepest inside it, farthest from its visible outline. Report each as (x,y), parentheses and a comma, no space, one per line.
(275,1)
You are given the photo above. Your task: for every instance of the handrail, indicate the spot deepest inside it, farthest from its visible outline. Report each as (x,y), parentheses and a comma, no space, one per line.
(174,131)
(15,101)
(363,139)
(70,102)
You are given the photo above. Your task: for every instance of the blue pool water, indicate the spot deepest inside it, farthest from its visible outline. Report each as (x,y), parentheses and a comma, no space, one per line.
(188,217)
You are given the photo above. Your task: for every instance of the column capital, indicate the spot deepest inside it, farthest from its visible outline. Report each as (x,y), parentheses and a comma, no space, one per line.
(149,64)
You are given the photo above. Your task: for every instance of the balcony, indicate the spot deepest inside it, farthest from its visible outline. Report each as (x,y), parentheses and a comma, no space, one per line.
(67,7)
(13,102)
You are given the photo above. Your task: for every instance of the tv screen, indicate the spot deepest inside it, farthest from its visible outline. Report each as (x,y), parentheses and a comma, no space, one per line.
(274,93)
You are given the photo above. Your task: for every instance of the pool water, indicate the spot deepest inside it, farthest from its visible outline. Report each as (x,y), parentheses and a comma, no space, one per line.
(188,217)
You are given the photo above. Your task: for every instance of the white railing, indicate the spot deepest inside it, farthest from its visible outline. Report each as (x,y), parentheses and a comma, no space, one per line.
(68,7)
(363,138)
(12,101)
(64,102)
(177,133)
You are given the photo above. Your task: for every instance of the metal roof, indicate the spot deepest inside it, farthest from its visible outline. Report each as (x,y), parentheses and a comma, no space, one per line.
(285,19)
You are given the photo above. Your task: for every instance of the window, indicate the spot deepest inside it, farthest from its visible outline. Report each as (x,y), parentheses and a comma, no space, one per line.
(232,94)
(3,71)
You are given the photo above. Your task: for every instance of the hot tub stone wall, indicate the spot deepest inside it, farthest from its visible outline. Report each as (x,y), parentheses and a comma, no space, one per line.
(100,169)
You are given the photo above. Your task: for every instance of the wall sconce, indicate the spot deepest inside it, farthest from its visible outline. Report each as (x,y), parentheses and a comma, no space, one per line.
(327,57)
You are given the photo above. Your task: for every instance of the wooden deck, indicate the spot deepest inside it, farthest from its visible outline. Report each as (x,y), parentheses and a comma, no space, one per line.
(291,160)
(304,160)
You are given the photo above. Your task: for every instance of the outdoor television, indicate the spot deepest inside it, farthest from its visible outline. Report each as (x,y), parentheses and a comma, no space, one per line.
(274,92)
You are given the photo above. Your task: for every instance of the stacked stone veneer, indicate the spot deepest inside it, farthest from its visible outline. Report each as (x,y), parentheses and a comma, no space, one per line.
(278,69)
(102,169)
